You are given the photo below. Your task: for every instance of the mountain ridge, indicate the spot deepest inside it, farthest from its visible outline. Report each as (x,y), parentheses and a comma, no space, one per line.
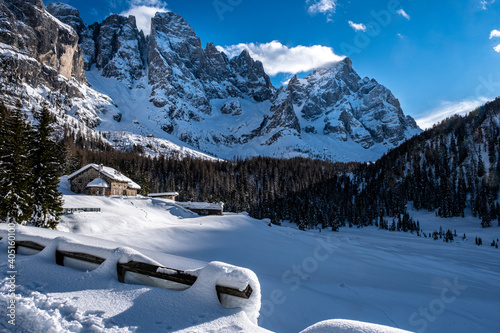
(197,97)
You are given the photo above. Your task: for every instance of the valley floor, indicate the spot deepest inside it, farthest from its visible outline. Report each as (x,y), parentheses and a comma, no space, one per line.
(388,278)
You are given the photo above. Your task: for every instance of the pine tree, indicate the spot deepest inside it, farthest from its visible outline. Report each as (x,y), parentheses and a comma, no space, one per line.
(15,170)
(47,168)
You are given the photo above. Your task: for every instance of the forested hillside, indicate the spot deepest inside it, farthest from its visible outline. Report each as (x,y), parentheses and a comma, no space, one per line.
(254,185)
(450,168)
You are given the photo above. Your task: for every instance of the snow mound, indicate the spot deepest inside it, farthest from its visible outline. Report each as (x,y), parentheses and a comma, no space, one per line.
(349,326)
(121,255)
(222,274)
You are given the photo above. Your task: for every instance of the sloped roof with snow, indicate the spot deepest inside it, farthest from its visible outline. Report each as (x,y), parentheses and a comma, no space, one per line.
(163,194)
(201,205)
(98,182)
(110,173)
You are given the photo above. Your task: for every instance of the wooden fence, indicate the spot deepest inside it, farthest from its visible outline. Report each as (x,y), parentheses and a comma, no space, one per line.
(173,275)
(81,210)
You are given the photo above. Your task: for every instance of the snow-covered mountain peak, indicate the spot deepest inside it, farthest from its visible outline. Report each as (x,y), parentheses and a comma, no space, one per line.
(344,65)
(173,27)
(336,102)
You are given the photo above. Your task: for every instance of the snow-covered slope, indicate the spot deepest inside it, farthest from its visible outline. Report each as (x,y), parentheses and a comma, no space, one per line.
(169,86)
(381,277)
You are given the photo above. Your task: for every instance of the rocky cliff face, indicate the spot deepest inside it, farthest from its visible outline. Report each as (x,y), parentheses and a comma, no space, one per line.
(121,49)
(42,63)
(180,69)
(67,14)
(114,46)
(27,27)
(169,85)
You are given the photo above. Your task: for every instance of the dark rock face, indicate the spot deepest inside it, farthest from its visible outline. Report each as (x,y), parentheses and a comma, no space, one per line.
(37,49)
(175,58)
(180,69)
(41,38)
(115,46)
(283,117)
(233,107)
(257,83)
(121,49)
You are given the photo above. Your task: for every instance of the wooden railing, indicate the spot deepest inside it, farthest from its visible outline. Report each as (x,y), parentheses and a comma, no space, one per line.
(173,275)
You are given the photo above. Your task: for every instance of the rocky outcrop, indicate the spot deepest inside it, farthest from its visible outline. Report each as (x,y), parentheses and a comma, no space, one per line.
(86,34)
(27,27)
(114,46)
(256,83)
(67,14)
(184,76)
(121,49)
(232,107)
(282,117)
(42,65)
(175,64)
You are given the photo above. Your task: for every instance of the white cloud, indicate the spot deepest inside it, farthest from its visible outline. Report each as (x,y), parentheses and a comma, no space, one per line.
(144,10)
(448,109)
(404,14)
(400,35)
(357,26)
(279,58)
(286,81)
(321,6)
(494,33)
(485,3)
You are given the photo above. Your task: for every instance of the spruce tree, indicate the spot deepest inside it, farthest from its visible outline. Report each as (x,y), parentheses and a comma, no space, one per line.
(15,169)
(4,114)
(47,169)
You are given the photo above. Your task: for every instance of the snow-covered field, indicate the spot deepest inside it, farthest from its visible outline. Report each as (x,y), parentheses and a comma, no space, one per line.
(357,275)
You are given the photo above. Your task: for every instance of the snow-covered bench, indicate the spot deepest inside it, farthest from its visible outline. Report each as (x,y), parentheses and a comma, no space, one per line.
(176,279)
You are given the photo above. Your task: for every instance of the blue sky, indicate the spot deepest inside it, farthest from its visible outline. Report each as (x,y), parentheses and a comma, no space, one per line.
(438,57)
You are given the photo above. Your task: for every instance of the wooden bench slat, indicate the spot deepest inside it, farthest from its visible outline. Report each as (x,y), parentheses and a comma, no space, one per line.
(29,245)
(180,277)
(152,270)
(246,293)
(77,255)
